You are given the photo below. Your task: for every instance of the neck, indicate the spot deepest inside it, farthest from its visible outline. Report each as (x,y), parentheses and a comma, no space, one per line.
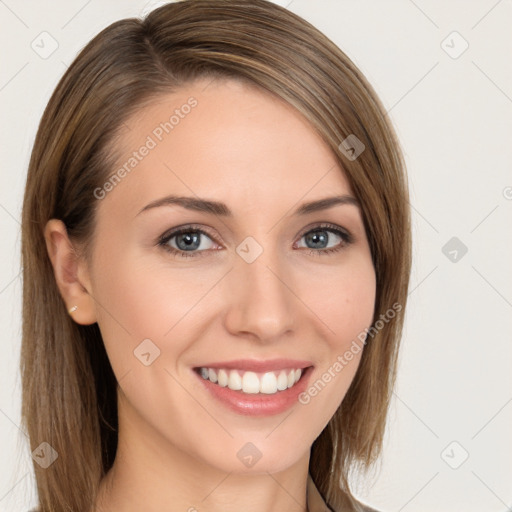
(151,474)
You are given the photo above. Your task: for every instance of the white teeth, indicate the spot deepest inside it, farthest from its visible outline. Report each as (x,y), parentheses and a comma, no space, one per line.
(282,381)
(268,383)
(223,378)
(291,378)
(235,381)
(212,374)
(250,382)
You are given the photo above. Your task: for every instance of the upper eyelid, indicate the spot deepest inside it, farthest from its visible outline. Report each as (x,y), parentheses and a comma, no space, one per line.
(324,225)
(186,228)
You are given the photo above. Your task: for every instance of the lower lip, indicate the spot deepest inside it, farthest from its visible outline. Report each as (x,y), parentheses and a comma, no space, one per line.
(257,404)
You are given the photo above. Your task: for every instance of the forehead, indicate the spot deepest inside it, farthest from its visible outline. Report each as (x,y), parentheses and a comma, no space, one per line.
(223,139)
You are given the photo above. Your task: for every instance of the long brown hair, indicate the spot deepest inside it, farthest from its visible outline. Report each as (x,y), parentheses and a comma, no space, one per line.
(68,386)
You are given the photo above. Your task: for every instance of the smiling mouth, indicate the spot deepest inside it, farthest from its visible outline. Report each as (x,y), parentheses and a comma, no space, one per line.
(266,383)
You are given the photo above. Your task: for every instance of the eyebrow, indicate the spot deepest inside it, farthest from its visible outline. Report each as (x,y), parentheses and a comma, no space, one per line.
(218,208)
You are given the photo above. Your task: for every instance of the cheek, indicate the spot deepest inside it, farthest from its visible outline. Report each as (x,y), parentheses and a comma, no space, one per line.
(346,302)
(346,308)
(147,323)
(141,298)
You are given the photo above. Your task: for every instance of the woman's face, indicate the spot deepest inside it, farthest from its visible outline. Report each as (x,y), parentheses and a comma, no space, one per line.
(255,288)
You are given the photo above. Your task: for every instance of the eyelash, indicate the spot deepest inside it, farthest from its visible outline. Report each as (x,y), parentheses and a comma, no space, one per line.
(332,228)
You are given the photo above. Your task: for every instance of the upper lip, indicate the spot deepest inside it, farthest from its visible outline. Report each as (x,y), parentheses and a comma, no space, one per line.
(253,365)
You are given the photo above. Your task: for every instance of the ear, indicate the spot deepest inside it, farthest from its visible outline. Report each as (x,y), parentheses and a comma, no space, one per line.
(71,273)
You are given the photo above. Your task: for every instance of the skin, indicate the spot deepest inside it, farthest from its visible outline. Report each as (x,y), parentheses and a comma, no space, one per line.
(177,445)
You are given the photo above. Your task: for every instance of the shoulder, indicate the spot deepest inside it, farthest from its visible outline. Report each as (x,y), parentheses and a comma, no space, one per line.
(357,506)
(316,503)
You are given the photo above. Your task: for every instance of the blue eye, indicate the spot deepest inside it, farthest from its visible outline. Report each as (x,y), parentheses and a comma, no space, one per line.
(187,241)
(322,235)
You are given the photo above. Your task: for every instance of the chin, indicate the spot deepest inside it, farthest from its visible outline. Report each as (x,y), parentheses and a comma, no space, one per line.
(259,456)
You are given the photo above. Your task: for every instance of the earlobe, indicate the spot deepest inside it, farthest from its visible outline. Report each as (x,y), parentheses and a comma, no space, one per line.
(66,268)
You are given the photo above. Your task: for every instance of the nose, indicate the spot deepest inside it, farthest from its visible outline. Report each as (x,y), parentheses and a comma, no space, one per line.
(262,305)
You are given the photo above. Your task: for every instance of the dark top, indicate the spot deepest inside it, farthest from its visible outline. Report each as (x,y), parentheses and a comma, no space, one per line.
(316,503)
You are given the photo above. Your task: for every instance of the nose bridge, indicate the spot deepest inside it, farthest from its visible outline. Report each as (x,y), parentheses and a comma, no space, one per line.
(262,303)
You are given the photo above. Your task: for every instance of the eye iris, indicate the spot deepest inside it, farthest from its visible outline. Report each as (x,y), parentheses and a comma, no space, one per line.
(317,237)
(191,241)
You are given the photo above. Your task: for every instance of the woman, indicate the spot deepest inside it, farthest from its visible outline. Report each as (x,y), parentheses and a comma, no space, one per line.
(216,253)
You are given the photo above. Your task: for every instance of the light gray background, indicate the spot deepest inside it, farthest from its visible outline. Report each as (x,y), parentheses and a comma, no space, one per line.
(454,119)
